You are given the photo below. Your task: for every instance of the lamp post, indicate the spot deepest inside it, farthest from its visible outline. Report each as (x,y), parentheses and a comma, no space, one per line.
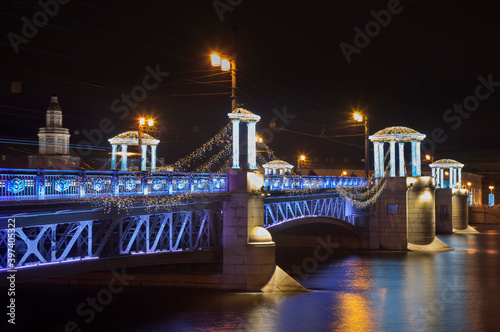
(227,64)
(363,118)
(302,158)
(491,197)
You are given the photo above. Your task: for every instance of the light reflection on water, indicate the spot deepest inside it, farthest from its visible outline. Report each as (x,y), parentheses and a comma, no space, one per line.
(365,291)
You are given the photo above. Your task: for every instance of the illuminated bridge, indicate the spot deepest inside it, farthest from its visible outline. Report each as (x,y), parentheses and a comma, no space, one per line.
(62,222)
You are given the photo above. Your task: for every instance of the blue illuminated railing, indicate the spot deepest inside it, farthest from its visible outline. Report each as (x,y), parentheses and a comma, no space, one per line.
(291,182)
(30,184)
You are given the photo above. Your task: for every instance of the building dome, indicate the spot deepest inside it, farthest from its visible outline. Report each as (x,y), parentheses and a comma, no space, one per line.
(132,138)
(243,115)
(277,164)
(397,134)
(446,163)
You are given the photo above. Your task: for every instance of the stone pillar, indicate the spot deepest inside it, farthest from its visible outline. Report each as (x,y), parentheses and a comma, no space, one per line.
(401,159)
(124,157)
(252,153)
(392,145)
(153,158)
(460,210)
(236,143)
(444,211)
(247,265)
(114,147)
(441,178)
(376,147)
(459,181)
(144,148)
(381,157)
(433,173)
(387,228)
(421,211)
(452,177)
(415,158)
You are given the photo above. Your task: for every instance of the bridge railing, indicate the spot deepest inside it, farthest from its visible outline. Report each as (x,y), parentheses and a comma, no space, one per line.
(31,184)
(289,182)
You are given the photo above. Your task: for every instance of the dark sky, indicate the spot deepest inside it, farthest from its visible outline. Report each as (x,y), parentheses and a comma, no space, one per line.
(425,60)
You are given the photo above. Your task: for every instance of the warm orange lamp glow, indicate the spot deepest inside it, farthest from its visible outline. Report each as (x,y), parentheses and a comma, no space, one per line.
(215,59)
(225,65)
(142,121)
(358,117)
(150,122)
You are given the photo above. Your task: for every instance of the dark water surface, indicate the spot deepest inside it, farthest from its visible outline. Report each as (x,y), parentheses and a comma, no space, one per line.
(364,291)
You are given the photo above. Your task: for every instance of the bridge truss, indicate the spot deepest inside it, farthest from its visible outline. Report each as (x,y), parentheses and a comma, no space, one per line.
(92,239)
(278,212)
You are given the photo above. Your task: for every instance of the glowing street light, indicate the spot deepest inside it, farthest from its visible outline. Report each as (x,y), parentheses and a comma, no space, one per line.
(150,122)
(358,117)
(427,157)
(227,64)
(215,59)
(142,121)
(491,189)
(363,118)
(302,159)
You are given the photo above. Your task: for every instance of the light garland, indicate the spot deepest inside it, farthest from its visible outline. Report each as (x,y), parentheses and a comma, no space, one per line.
(152,203)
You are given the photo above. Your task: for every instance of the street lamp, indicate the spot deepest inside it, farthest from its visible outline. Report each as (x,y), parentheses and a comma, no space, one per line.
(363,118)
(491,197)
(302,159)
(227,64)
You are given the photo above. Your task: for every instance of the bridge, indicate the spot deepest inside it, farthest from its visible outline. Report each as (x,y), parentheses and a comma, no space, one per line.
(97,220)
(55,222)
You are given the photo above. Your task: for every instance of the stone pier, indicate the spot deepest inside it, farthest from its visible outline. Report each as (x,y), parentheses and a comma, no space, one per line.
(249,252)
(405,216)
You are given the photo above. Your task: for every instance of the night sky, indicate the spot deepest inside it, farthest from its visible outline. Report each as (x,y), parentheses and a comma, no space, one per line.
(425,60)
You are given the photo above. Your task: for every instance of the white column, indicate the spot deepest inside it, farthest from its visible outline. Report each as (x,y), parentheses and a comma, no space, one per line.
(376,146)
(114,147)
(415,158)
(455,173)
(433,171)
(452,177)
(153,158)
(381,157)
(236,143)
(252,153)
(144,153)
(392,145)
(401,159)
(124,157)
(459,181)
(440,178)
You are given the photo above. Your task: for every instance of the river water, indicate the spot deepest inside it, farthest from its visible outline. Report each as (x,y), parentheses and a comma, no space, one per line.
(358,291)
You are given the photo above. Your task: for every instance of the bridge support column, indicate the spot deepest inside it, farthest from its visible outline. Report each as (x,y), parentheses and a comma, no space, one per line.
(249,252)
(406,216)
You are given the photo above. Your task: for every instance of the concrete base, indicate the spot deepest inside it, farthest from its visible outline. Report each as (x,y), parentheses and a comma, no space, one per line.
(468,230)
(435,246)
(281,282)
